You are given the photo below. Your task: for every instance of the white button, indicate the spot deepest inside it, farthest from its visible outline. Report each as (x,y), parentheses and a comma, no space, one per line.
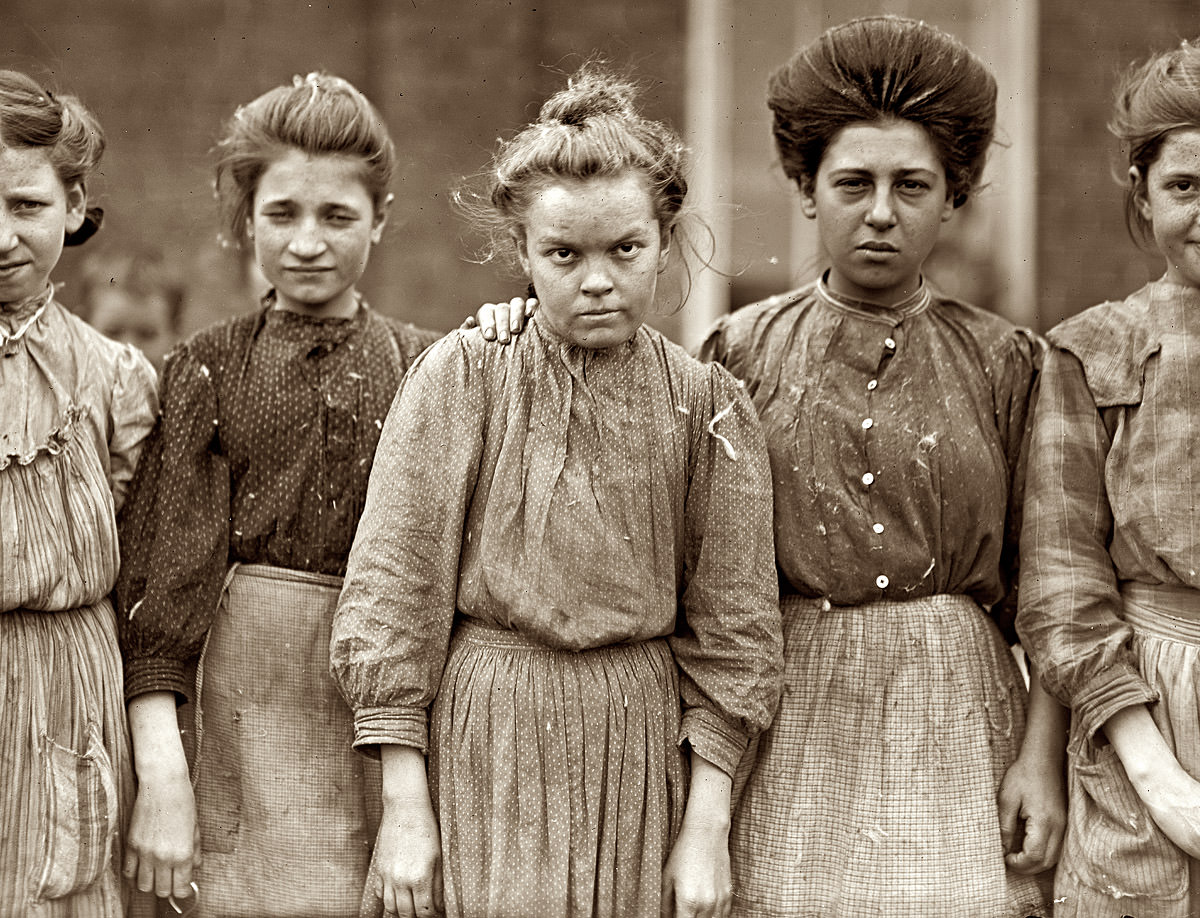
(872,384)
(878,527)
(881,581)
(868,479)
(890,343)
(867,422)
(826,605)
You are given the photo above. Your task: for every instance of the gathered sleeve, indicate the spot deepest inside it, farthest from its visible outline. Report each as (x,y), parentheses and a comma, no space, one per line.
(134,407)
(728,644)
(1016,390)
(174,531)
(392,627)
(1069,617)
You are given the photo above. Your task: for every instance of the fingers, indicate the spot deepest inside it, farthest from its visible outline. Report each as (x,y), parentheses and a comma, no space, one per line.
(531,306)
(1039,850)
(517,314)
(1009,808)
(486,319)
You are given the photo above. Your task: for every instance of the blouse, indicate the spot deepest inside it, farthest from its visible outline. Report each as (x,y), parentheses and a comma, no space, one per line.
(580,497)
(895,437)
(1113,491)
(262,455)
(76,409)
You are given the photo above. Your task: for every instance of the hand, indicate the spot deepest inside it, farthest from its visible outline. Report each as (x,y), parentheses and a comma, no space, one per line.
(696,879)
(501,322)
(163,846)
(408,859)
(1033,813)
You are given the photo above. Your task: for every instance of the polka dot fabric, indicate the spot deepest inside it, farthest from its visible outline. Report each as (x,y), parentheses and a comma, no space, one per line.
(579,500)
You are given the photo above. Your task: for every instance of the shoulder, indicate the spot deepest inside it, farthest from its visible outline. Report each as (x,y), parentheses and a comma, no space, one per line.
(743,339)
(1001,344)
(207,355)
(1112,341)
(707,381)
(410,339)
(124,362)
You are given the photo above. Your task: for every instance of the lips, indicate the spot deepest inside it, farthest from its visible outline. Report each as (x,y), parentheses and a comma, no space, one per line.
(874,246)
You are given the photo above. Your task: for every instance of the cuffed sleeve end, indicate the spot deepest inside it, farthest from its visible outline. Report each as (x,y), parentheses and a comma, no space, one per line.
(156,675)
(374,727)
(1119,687)
(713,738)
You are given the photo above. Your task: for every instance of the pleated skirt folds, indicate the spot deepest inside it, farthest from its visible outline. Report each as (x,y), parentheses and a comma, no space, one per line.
(874,791)
(557,777)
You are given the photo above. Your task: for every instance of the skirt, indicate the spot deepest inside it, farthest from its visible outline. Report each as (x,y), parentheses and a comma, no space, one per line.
(557,777)
(66,782)
(1116,861)
(287,810)
(874,791)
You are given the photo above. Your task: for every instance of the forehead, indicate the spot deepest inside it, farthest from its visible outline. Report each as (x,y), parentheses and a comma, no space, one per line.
(882,146)
(596,207)
(298,176)
(27,168)
(1180,152)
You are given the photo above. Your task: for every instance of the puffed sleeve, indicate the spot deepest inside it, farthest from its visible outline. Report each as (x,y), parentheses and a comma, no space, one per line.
(392,627)
(174,531)
(728,644)
(132,411)
(1015,388)
(1069,617)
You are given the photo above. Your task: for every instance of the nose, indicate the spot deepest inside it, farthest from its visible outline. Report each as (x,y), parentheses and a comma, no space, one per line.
(8,233)
(597,281)
(307,241)
(882,213)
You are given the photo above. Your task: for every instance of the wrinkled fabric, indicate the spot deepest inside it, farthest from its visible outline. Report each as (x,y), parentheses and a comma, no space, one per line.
(262,455)
(75,410)
(1111,510)
(895,438)
(580,497)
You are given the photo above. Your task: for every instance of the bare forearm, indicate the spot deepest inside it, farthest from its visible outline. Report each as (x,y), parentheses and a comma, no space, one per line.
(154,729)
(1046,723)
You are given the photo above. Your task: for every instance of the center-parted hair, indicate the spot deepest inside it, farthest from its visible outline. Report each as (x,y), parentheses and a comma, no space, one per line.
(61,126)
(1155,97)
(318,114)
(879,68)
(591,128)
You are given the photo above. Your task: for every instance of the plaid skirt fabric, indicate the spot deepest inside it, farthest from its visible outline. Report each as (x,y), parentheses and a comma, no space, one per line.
(65,776)
(874,791)
(557,777)
(1116,861)
(287,810)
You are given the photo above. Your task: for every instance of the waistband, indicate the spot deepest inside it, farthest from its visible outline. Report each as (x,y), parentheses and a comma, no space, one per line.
(282,574)
(1165,610)
(939,602)
(486,634)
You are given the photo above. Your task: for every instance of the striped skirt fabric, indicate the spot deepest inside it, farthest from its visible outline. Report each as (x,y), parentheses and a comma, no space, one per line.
(287,810)
(65,776)
(557,777)
(1116,861)
(874,791)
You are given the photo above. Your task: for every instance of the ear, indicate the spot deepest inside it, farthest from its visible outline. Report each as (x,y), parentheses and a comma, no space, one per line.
(664,248)
(76,206)
(948,207)
(808,198)
(1137,185)
(521,245)
(380,218)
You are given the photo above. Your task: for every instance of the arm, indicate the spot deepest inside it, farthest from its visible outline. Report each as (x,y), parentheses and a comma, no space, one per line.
(696,878)
(502,321)
(163,842)
(408,853)
(728,644)
(132,414)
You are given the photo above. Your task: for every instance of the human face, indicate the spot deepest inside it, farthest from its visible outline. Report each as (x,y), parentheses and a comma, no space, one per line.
(1169,198)
(313,226)
(593,249)
(36,213)
(879,198)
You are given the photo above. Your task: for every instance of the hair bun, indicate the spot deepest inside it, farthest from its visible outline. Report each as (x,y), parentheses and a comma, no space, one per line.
(590,93)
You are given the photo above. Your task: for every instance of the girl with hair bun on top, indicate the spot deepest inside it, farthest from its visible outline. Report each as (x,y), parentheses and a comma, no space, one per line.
(76,410)
(1110,594)
(589,554)
(239,522)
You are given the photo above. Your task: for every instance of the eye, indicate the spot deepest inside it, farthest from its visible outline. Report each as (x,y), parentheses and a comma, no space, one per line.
(629,248)
(1182,186)
(912,186)
(277,214)
(560,256)
(29,204)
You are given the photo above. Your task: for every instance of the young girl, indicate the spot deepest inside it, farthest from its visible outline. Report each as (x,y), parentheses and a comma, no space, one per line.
(564,541)
(900,770)
(75,412)
(240,519)
(1110,607)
